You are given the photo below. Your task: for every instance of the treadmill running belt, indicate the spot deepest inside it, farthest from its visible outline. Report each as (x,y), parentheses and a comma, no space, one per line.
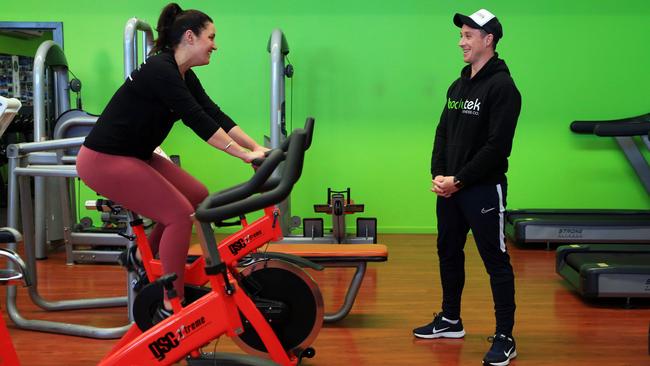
(585,218)
(578,226)
(577,260)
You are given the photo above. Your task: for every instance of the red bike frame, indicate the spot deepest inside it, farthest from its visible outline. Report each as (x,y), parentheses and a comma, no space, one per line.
(251,237)
(211,316)
(8,355)
(10,277)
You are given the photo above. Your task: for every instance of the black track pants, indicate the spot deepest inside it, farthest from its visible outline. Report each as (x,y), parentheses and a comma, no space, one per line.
(481,209)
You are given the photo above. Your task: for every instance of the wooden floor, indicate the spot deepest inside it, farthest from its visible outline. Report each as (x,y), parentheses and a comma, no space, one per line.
(553,325)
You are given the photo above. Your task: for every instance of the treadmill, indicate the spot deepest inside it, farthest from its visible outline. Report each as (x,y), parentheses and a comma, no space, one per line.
(529,227)
(609,271)
(604,270)
(551,226)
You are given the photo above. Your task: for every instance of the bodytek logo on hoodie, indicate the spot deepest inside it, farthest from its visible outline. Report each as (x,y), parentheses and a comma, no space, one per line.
(467,106)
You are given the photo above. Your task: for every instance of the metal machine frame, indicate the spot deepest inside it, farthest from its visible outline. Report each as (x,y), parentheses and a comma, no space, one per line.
(38,160)
(278,47)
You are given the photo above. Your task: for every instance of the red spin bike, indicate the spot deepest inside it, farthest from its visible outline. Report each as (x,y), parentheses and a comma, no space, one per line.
(271,307)
(10,277)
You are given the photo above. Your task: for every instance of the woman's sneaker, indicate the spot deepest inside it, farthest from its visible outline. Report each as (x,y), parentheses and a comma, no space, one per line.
(129,261)
(161,314)
(502,351)
(440,328)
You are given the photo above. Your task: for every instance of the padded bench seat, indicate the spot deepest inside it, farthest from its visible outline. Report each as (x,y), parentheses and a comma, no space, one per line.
(322,253)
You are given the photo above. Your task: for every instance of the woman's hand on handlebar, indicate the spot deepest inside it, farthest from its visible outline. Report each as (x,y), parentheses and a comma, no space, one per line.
(249,156)
(262,149)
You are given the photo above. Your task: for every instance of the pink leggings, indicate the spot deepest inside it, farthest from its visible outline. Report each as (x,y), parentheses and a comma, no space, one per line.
(156,189)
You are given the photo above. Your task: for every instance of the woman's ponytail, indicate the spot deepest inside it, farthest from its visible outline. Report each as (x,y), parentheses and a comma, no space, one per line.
(165,23)
(173,22)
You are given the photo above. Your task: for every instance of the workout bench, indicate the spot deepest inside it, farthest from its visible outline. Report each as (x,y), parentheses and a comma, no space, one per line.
(333,255)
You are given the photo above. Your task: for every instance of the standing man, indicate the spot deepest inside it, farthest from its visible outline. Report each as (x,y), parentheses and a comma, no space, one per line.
(468,165)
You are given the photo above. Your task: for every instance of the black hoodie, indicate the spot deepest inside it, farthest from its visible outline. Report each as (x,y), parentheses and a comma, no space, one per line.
(144,109)
(474,137)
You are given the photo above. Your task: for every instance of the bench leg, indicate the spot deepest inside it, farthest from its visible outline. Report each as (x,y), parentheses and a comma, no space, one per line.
(350,295)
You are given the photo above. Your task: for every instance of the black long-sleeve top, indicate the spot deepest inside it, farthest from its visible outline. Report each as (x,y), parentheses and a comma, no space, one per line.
(474,137)
(144,109)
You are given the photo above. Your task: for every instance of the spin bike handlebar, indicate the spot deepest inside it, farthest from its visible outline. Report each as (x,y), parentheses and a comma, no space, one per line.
(309,129)
(240,200)
(274,180)
(255,184)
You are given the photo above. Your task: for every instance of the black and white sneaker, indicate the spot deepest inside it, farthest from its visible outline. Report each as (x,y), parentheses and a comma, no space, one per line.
(440,328)
(161,314)
(502,351)
(129,261)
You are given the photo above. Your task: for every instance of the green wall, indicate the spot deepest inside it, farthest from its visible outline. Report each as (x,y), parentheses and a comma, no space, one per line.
(23,47)
(374,75)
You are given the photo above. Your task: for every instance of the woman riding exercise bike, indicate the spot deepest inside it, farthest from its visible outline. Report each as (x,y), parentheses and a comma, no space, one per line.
(231,306)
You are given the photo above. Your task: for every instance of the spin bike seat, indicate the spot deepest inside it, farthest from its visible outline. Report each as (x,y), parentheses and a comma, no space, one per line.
(10,235)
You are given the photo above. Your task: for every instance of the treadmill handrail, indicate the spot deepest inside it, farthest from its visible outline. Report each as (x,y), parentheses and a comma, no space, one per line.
(622,129)
(587,127)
